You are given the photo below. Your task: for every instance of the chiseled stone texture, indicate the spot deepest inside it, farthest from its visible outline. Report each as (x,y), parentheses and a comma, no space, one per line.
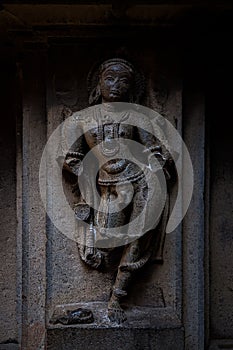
(8,226)
(221,215)
(115,339)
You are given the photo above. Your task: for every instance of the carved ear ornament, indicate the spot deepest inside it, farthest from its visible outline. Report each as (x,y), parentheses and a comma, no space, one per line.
(94,95)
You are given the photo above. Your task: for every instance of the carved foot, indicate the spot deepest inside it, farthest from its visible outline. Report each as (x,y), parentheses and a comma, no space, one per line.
(115,312)
(78,316)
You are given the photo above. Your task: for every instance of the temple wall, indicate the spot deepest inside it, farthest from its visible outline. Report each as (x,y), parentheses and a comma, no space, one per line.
(186,302)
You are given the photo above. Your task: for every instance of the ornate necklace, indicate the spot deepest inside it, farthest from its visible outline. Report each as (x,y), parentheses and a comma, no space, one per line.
(108,132)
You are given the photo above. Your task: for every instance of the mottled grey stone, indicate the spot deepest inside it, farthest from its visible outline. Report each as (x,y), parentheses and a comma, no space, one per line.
(65,281)
(8,226)
(10,346)
(34,215)
(193,223)
(115,339)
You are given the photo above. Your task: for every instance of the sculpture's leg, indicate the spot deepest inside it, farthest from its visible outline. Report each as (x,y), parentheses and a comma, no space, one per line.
(134,256)
(123,279)
(109,215)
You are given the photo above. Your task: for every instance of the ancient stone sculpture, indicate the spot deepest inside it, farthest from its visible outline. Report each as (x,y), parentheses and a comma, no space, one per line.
(116,80)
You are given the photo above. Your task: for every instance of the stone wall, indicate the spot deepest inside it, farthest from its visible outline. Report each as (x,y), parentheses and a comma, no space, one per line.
(9,264)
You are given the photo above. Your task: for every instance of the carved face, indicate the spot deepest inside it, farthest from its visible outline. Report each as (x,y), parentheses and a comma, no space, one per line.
(115,84)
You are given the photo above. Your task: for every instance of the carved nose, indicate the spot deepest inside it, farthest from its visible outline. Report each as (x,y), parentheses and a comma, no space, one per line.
(115,84)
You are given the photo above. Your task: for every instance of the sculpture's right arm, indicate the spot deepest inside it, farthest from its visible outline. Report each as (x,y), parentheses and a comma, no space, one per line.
(73,162)
(73,146)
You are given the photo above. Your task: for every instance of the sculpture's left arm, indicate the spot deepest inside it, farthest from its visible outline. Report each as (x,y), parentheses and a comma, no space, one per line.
(156,153)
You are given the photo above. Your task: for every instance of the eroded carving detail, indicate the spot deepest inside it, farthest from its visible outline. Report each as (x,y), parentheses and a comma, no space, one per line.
(78,316)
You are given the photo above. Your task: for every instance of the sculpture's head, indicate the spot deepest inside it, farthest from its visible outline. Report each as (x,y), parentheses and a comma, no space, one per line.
(116,80)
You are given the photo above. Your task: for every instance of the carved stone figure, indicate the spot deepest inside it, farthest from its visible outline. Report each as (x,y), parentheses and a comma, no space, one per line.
(116,80)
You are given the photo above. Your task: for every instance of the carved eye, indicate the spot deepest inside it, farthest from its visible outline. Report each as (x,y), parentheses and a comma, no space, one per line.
(122,133)
(124,81)
(109,78)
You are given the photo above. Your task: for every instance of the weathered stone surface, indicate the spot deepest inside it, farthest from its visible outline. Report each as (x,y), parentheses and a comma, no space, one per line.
(8,228)
(9,346)
(115,339)
(143,317)
(193,223)
(221,204)
(34,216)
(207,41)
